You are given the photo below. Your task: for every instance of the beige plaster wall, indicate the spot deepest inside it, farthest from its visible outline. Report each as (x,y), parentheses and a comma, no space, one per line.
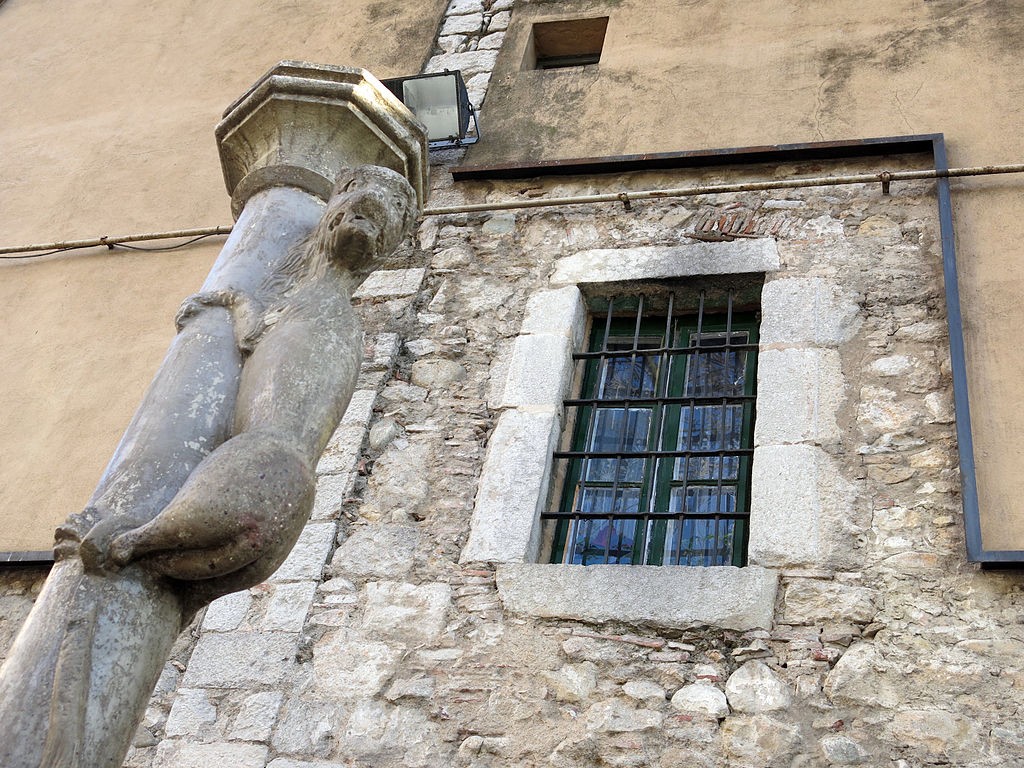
(107,128)
(694,74)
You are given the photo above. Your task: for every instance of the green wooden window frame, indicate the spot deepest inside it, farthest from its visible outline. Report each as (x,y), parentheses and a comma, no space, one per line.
(658,472)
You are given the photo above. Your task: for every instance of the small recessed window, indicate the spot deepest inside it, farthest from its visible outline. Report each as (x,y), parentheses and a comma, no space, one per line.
(569,43)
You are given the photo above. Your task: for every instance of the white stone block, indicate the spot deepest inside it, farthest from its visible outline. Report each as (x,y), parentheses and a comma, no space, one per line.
(539,372)
(226,613)
(343,450)
(416,614)
(381,551)
(807,310)
(512,488)
(173,753)
(191,710)
(308,556)
(799,393)
(288,606)
(256,716)
(664,596)
(360,408)
(470,63)
(560,312)
(391,283)
(755,688)
(468,24)
(241,659)
(459,7)
(349,666)
(331,493)
(800,508)
(700,699)
(604,265)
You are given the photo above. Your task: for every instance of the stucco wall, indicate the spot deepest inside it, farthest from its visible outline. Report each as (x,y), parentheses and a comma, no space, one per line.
(107,129)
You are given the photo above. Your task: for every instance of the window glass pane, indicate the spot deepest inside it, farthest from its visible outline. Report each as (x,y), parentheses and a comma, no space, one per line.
(602,541)
(607,501)
(623,377)
(716,374)
(709,428)
(703,500)
(618,430)
(700,542)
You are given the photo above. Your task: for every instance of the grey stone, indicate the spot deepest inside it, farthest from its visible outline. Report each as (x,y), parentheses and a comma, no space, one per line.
(436,373)
(382,433)
(331,493)
(412,688)
(469,24)
(241,659)
(862,677)
(701,699)
(348,666)
(288,606)
(755,688)
(460,7)
(800,509)
(499,21)
(226,613)
(191,710)
(493,41)
(389,283)
(306,562)
(470,63)
(800,391)
(505,514)
(406,611)
(500,224)
(669,596)
(842,750)
(606,265)
(360,407)
(178,754)
(378,550)
(807,310)
(342,451)
(759,740)
(646,691)
(306,728)
(256,716)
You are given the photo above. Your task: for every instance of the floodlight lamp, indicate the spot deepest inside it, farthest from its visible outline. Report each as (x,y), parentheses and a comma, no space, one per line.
(439,101)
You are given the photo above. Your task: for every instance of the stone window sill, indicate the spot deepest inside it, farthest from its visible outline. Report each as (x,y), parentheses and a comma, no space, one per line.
(663,596)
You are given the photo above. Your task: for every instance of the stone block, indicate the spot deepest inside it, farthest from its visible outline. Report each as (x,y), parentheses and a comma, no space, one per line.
(343,450)
(307,728)
(172,753)
(759,740)
(347,665)
(288,606)
(606,265)
(308,556)
(190,712)
(408,612)
(666,596)
(470,62)
(468,24)
(391,283)
(436,373)
(573,682)
(646,691)
(615,716)
(227,613)
(560,312)
(700,699)
(256,716)
(241,659)
(384,551)
(800,508)
(863,678)
(512,488)
(360,408)
(811,601)
(755,688)
(799,393)
(807,310)
(331,493)
(539,372)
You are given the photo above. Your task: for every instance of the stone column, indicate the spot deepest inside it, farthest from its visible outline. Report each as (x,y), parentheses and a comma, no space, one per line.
(78,678)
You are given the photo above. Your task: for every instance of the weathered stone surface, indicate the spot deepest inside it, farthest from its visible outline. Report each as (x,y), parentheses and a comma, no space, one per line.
(287,608)
(701,699)
(557,312)
(646,691)
(390,283)
(256,716)
(573,682)
(809,601)
(347,665)
(799,508)
(179,754)
(504,525)
(191,711)
(615,716)
(862,677)
(755,688)
(306,562)
(934,731)
(226,613)
(306,728)
(406,611)
(436,373)
(807,310)
(331,493)
(470,63)
(377,550)
(241,659)
(539,372)
(800,392)
(605,265)
(759,740)
(842,750)
(736,598)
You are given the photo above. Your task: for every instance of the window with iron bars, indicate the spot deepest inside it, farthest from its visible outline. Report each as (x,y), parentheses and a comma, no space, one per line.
(660,433)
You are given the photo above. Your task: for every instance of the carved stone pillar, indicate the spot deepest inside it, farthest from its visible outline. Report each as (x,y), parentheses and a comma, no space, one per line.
(79,676)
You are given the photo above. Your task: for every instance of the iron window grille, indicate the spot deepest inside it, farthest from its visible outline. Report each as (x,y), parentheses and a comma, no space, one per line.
(661,435)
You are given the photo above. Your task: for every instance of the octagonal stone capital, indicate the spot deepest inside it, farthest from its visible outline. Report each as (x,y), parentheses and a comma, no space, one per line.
(300,124)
